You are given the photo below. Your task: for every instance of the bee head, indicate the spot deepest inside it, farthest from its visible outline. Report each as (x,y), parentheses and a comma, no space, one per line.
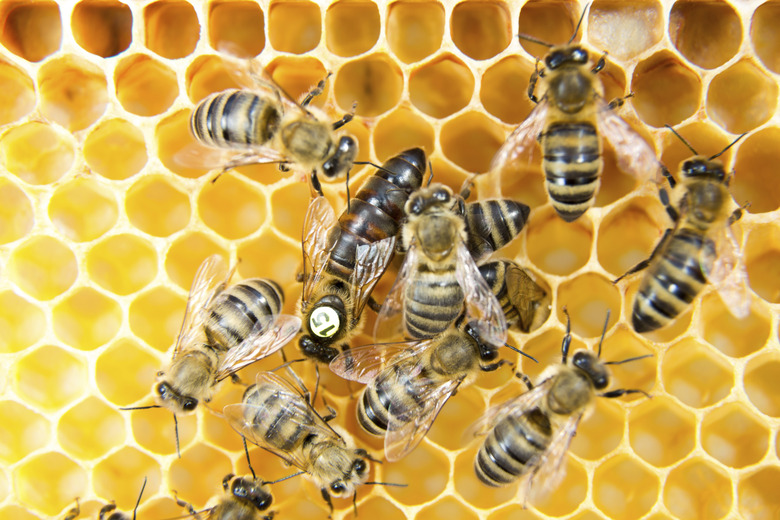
(166,396)
(425,198)
(252,491)
(356,475)
(700,167)
(342,158)
(589,363)
(569,54)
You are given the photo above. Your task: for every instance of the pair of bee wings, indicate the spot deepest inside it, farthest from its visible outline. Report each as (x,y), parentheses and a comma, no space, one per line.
(544,471)
(634,155)
(364,364)
(727,271)
(371,260)
(268,335)
(293,406)
(481,306)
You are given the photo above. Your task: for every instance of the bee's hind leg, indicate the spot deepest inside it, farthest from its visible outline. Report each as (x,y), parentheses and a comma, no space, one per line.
(600,64)
(618,102)
(316,91)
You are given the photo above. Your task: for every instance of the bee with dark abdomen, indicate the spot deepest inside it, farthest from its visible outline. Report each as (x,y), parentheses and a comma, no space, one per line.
(528,436)
(344,258)
(568,120)
(526,304)
(108,511)
(699,248)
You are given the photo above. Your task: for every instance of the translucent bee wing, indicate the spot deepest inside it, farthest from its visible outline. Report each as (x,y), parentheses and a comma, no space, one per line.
(482,308)
(726,271)
(634,154)
(268,335)
(515,406)
(197,156)
(211,278)
(371,261)
(532,302)
(522,139)
(405,433)
(320,220)
(363,364)
(389,323)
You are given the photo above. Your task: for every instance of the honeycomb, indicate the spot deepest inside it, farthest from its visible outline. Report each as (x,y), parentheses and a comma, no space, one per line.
(102,231)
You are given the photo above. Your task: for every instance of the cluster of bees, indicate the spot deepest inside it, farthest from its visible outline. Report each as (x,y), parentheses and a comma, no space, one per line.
(446,317)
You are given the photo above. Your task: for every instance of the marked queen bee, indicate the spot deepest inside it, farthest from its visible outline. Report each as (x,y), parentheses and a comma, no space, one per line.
(569,119)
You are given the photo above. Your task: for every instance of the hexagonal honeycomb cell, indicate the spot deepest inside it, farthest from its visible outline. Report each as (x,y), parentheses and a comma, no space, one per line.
(103,224)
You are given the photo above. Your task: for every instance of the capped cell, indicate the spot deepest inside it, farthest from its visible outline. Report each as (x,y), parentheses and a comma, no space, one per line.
(25,431)
(481,29)
(401,130)
(171,28)
(185,256)
(86,319)
(236,27)
(624,489)
(695,374)
(31,30)
(101,27)
(119,477)
(155,317)
(72,91)
(661,432)
(294,27)
(16,212)
(232,207)
(708,34)
(666,92)
(145,86)
(414,29)
(556,246)
(90,429)
(470,140)
(375,83)
(22,323)
(156,206)
(115,149)
(122,264)
(37,153)
(43,267)
(625,29)
(50,377)
(441,87)
(351,27)
(47,482)
(734,435)
(742,97)
(83,209)
(19,93)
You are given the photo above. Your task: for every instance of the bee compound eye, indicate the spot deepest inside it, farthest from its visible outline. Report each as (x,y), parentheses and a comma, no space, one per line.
(338,487)
(324,322)
(190,404)
(360,467)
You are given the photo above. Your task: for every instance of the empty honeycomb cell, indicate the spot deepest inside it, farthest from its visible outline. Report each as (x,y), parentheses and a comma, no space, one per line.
(19,93)
(172,28)
(757,493)
(285,204)
(90,429)
(569,493)
(231,207)
(31,30)
(72,92)
(236,26)
(119,477)
(102,27)
(16,213)
(734,435)
(654,79)
(351,27)
(639,374)
(375,83)
(401,130)
(550,22)
(298,75)
(174,141)
(294,27)
(123,370)
(414,29)
(741,97)
(503,87)
(145,86)
(628,234)
(196,474)
(24,431)
(283,265)
(708,34)
(624,489)
(766,41)
(447,507)
(513,512)
(209,74)
(430,469)
(12,512)
(625,29)
(37,153)
(115,149)
(86,319)
(164,507)
(154,430)
(22,323)
(470,140)
(693,373)
(762,383)
(441,87)
(377,507)
(155,317)
(157,207)
(48,482)
(697,489)
(732,336)
(83,209)
(50,377)
(600,432)
(43,267)
(661,432)
(481,29)
(588,297)
(449,429)
(185,256)
(122,264)
(762,261)
(754,180)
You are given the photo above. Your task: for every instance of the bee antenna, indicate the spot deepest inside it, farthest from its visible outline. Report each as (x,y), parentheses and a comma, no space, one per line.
(629,360)
(534,40)
(248,461)
(729,146)
(603,333)
(529,356)
(686,143)
(176,431)
(394,484)
(138,502)
(140,407)
(576,29)
(430,169)
(283,478)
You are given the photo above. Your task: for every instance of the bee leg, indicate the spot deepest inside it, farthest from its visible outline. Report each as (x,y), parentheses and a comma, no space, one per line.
(373,304)
(566,343)
(670,210)
(304,391)
(622,391)
(236,380)
(618,102)
(600,64)
(737,214)
(315,184)
(344,120)
(468,185)
(532,82)
(226,481)
(494,366)
(327,499)
(316,91)
(354,503)
(644,263)
(525,379)
(332,413)
(270,515)
(73,512)
(299,277)
(283,167)
(106,509)
(185,505)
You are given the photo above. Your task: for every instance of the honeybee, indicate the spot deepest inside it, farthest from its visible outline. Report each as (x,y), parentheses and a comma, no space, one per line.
(225,328)
(245,498)
(343,259)
(261,123)
(108,511)
(700,247)
(439,274)
(279,418)
(408,383)
(525,303)
(528,436)
(568,120)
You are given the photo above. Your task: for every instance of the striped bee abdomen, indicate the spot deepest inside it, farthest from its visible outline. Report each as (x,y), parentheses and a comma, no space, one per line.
(492,224)
(271,414)
(235,119)
(433,301)
(572,165)
(239,308)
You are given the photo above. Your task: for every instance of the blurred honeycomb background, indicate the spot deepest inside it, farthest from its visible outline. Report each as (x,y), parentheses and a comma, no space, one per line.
(102,231)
